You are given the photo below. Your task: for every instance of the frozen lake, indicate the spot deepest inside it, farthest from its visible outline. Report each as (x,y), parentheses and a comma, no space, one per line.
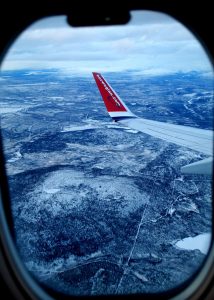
(201,242)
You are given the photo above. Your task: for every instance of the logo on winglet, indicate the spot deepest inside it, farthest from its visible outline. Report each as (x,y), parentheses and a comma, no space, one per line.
(109,91)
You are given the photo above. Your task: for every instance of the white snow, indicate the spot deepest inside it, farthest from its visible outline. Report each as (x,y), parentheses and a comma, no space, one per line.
(78,128)
(17,156)
(171,211)
(132,131)
(140,276)
(72,189)
(56,98)
(117,126)
(200,242)
(12,109)
(189,95)
(51,191)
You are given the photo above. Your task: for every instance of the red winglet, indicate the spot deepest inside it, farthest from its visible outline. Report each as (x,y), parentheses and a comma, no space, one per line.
(112,101)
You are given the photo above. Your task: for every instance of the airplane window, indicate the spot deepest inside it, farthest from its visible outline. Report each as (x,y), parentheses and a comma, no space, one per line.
(102,207)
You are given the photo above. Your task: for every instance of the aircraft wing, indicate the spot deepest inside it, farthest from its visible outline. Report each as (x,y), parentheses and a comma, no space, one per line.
(193,138)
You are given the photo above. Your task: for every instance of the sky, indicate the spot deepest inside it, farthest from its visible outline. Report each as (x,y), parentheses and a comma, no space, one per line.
(151,43)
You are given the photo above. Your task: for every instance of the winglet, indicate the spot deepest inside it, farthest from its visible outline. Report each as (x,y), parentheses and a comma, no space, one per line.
(114,105)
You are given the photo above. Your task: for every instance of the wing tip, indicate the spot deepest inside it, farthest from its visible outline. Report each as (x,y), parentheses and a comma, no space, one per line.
(114,105)
(95,73)
(204,167)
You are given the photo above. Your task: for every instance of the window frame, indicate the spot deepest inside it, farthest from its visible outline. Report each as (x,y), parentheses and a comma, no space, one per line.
(16,17)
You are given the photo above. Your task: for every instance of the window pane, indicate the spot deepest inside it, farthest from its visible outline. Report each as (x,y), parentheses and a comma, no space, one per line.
(99,207)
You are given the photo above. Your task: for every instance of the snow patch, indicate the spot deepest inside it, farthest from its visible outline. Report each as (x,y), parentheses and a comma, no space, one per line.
(56,98)
(132,131)
(117,126)
(51,191)
(12,109)
(17,156)
(189,95)
(78,128)
(200,242)
(73,189)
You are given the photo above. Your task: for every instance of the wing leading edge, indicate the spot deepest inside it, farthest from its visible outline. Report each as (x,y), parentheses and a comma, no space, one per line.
(193,138)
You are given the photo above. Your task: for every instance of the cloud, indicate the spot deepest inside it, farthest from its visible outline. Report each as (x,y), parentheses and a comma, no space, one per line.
(151,42)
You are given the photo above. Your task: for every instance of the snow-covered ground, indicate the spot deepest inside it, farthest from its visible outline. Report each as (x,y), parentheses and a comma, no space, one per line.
(99,208)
